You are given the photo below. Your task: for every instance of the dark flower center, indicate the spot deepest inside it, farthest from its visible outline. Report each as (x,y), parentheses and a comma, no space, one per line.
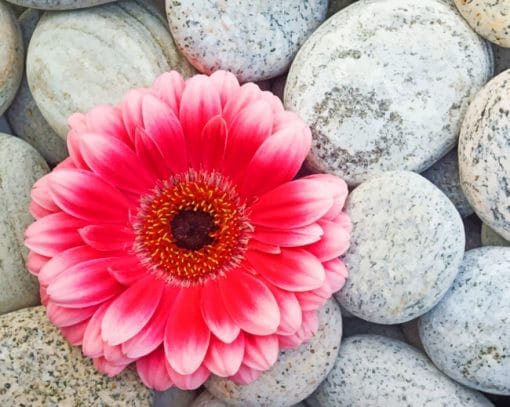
(191,229)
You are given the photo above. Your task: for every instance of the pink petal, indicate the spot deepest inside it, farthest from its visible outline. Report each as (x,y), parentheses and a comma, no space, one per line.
(250,303)
(77,121)
(108,237)
(35,262)
(73,145)
(74,333)
(224,359)
(186,335)
(126,269)
(216,315)
(214,142)
(245,375)
(339,190)
(260,352)
(86,196)
(311,300)
(131,310)
(92,341)
(108,368)
(152,370)
(263,247)
(41,194)
(290,310)
(168,87)
(289,237)
(61,316)
(292,205)
(37,211)
(113,354)
(336,274)
(149,154)
(334,243)
(190,381)
(131,110)
(306,331)
(238,99)
(226,83)
(43,294)
(53,234)
(292,270)
(106,120)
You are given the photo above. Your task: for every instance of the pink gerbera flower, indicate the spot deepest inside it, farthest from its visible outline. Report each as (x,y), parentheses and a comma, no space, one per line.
(174,235)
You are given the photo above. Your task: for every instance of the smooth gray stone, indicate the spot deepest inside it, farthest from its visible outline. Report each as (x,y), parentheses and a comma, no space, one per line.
(58,4)
(491,238)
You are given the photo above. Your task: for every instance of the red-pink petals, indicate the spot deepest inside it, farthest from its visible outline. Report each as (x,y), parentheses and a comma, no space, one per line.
(334,243)
(74,333)
(108,368)
(214,143)
(108,237)
(168,87)
(224,359)
(290,310)
(35,262)
(260,352)
(190,381)
(289,237)
(92,341)
(245,375)
(152,370)
(62,317)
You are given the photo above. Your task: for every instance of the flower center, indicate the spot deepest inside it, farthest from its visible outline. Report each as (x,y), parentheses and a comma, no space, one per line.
(191,228)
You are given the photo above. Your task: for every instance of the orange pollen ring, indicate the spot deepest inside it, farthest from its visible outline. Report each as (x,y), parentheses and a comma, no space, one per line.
(191,228)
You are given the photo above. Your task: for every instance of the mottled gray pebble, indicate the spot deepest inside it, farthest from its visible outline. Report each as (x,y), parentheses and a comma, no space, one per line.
(357,326)
(24,116)
(373,370)
(174,397)
(410,110)
(472,229)
(40,368)
(79,59)
(407,243)
(491,238)
(11,56)
(20,167)
(467,335)
(484,154)
(255,40)
(296,373)
(58,4)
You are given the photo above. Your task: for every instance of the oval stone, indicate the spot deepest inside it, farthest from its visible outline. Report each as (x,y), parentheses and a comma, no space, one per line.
(377,91)
(373,370)
(407,243)
(58,4)
(467,335)
(79,59)
(296,373)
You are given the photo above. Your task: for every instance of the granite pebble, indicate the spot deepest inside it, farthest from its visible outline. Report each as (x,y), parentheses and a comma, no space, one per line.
(374,69)
(484,154)
(58,4)
(467,335)
(373,370)
(491,238)
(254,40)
(296,373)
(407,243)
(82,58)
(20,167)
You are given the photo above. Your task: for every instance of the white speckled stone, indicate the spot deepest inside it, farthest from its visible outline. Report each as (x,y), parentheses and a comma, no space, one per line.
(11,56)
(40,368)
(444,174)
(484,154)
(467,335)
(24,116)
(58,4)
(491,238)
(174,397)
(407,243)
(20,167)
(78,59)
(356,326)
(255,40)
(373,370)
(489,18)
(378,91)
(296,373)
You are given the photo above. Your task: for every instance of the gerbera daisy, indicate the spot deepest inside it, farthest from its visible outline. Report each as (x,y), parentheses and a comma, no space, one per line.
(174,235)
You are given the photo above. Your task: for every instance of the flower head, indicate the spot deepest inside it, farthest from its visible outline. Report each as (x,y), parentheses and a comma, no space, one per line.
(176,237)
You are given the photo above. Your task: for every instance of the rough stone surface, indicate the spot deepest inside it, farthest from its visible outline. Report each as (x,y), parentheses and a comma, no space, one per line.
(484,154)
(488,18)
(24,116)
(174,397)
(357,326)
(491,238)
(253,39)
(472,228)
(467,335)
(309,364)
(444,174)
(20,167)
(11,56)
(409,112)
(58,4)
(82,58)
(407,243)
(372,370)
(39,368)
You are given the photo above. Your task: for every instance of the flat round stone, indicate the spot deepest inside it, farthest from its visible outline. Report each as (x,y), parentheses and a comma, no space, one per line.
(484,154)
(491,238)
(467,335)
(489,18)
(79,59)
(407,242)
(255,40)
(11,56)
(373,370)
(296,373)
(379,93)
(58,4)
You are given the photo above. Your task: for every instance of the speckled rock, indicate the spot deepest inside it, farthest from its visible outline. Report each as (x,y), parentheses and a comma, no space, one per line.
(20,167)
(255,40)
(472,229)
(11,56)
(337,5)
(484,154)
(78,59)
(24,116)
(174,397)
(309,364)
(489,18)
(357,326)
(491,238)
(58,4)
(444,174)
(410,110)
(501,58)
(467,335)
(407,243)
(373,370)
(411,334)
(40,368)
